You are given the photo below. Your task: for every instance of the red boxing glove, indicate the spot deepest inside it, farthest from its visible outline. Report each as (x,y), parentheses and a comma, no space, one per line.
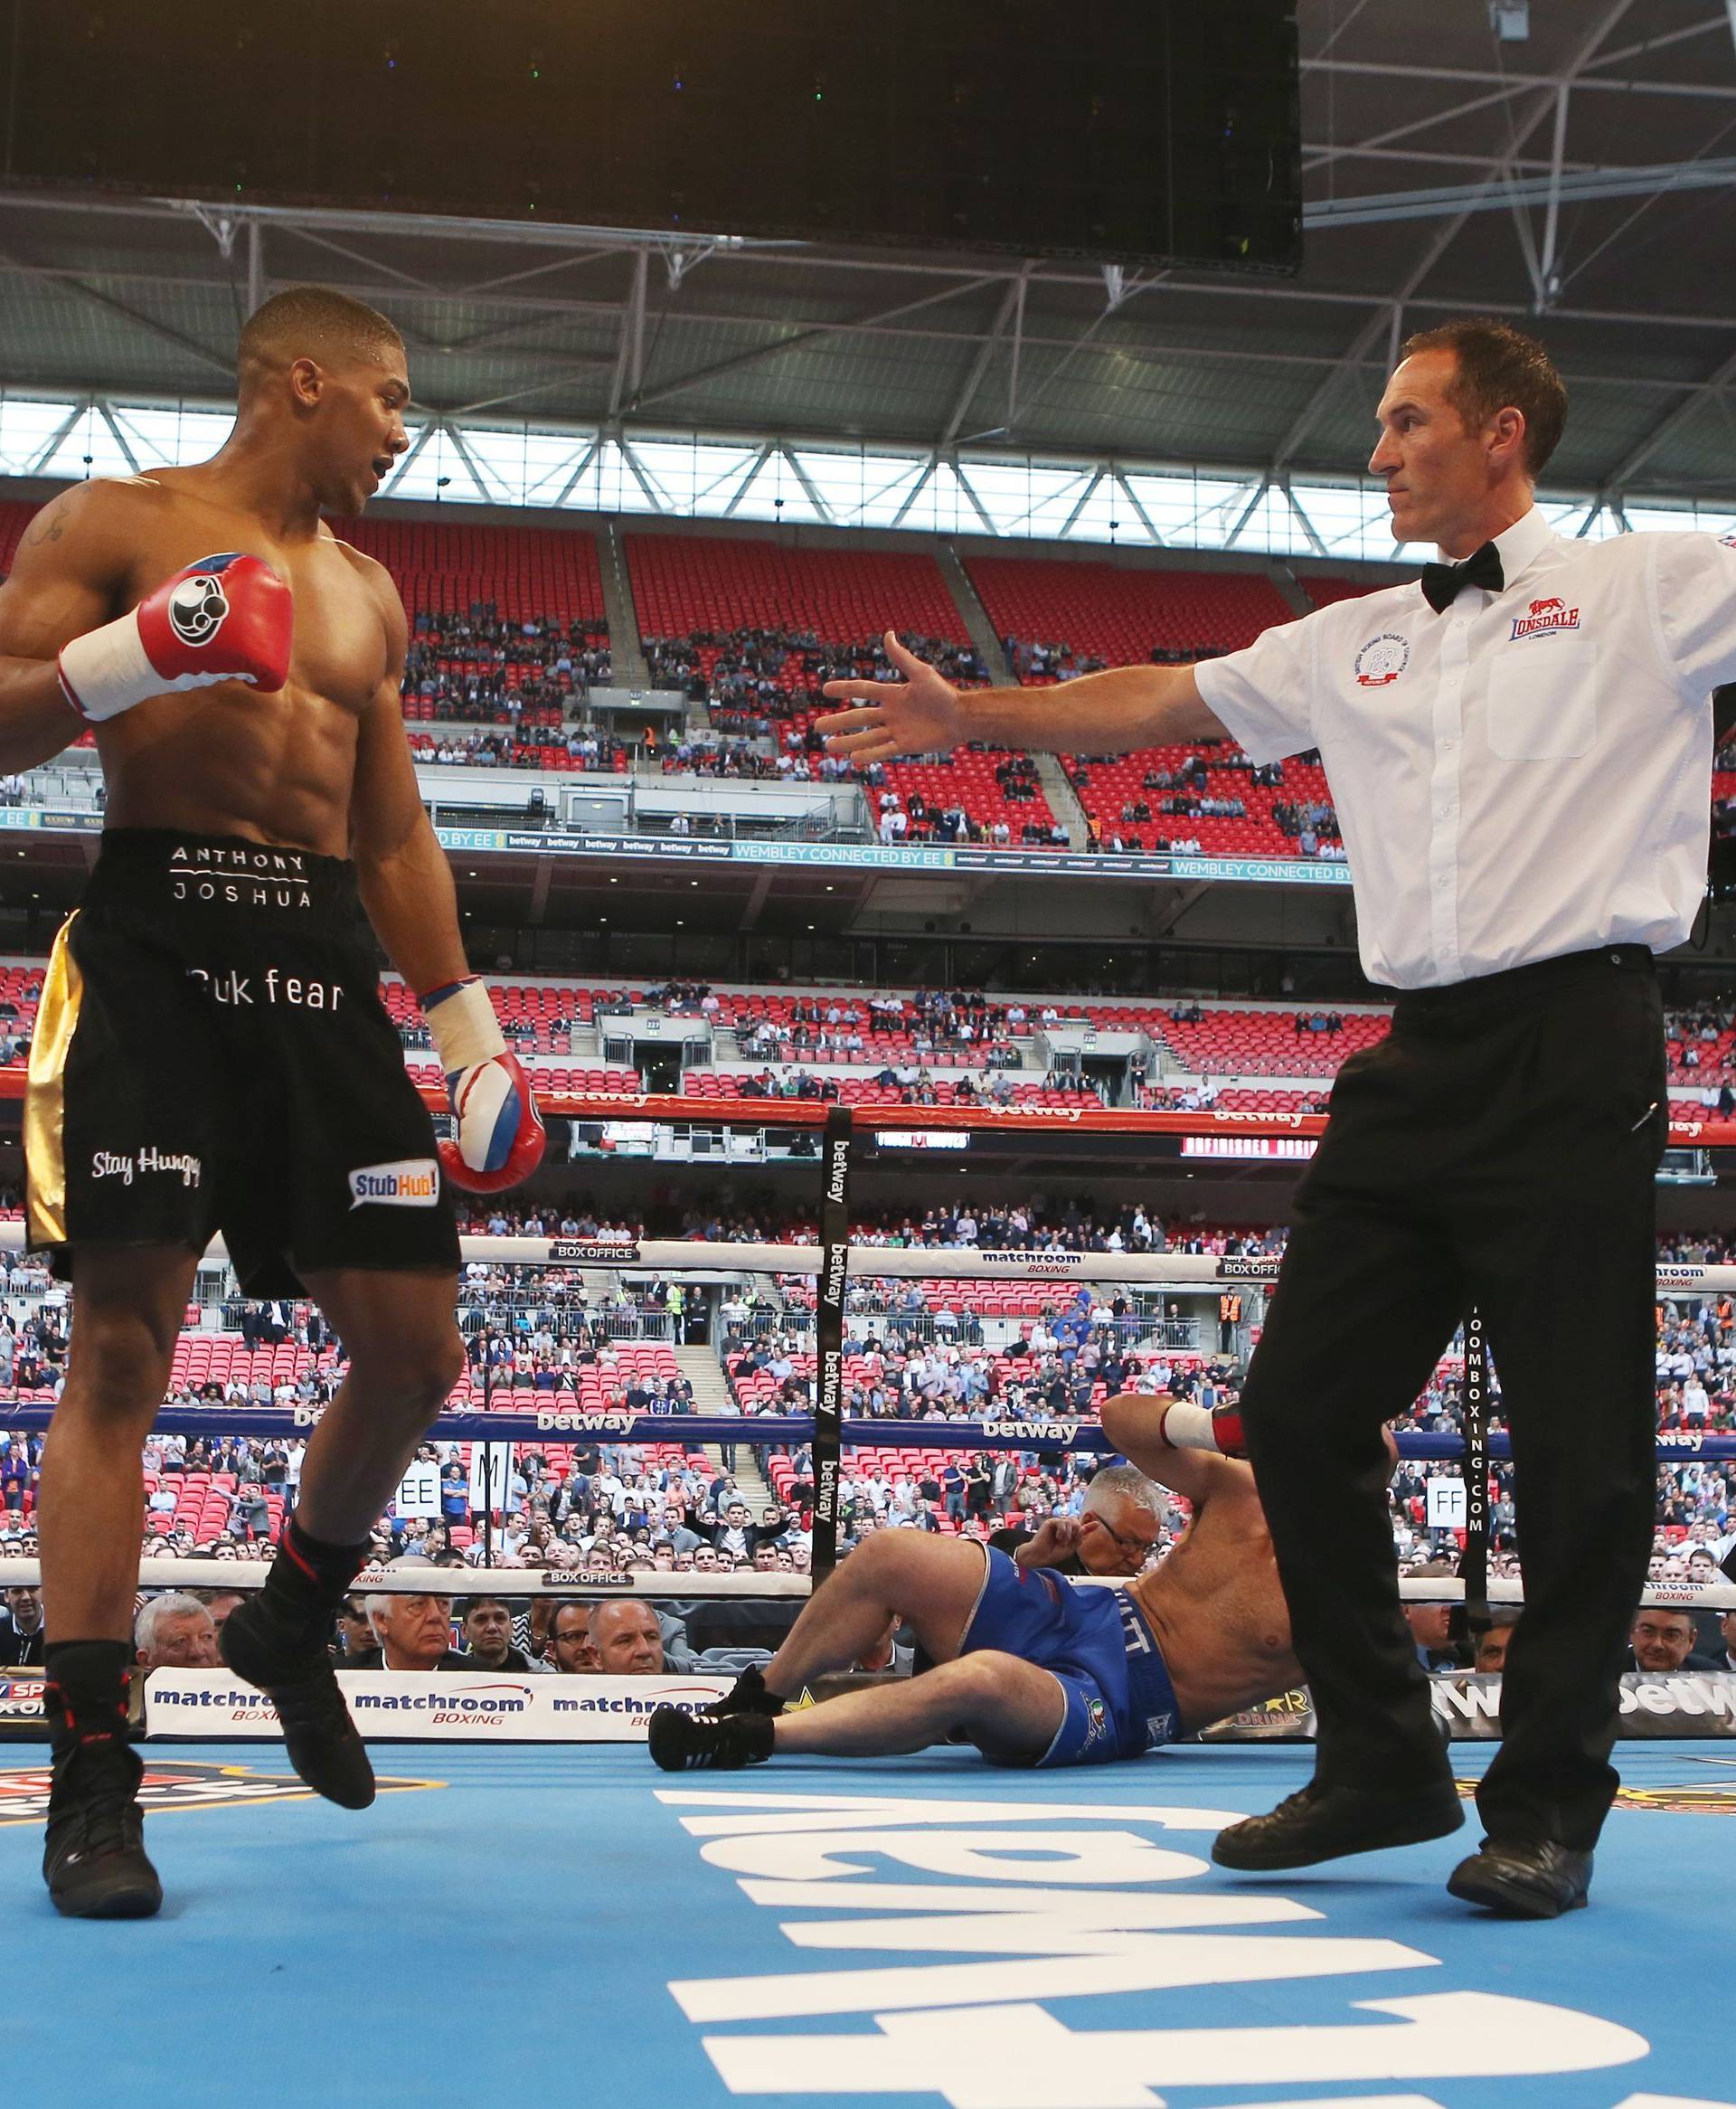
(223,619)
(499,1133)
(1219,1429)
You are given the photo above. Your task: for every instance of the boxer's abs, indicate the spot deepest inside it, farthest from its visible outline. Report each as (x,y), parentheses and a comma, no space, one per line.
(226,761)
(276,769)
(1224,1633)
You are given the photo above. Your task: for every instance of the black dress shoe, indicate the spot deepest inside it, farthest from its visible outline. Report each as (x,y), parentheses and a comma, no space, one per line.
(1522,1877)
(1323,1823)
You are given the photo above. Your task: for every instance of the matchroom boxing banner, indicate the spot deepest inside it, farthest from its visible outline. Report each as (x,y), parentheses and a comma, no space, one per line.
(408,1706)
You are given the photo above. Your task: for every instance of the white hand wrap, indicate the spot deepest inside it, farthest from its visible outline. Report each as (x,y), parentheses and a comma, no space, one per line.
(1189,1427)
(464,1029)
(108,670)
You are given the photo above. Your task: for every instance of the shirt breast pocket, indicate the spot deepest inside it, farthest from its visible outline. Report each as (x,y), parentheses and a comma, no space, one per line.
(1542,700)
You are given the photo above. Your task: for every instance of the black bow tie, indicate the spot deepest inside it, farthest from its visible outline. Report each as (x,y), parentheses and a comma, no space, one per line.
(1441,581)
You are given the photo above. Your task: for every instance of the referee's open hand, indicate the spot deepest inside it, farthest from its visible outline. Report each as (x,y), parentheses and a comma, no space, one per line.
(922,714)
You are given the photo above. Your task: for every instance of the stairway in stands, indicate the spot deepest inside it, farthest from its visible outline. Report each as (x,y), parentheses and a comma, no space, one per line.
(1063,800)
(703,1370)
(975,615)
(626,656)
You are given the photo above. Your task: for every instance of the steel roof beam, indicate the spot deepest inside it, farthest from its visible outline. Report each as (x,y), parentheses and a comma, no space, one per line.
(1569,189)
(1671,422)
(808,261)
(135,316)
(1383,69)
(629,358)
(713,372)
(1322,155)
(1011,305)
(1389,316)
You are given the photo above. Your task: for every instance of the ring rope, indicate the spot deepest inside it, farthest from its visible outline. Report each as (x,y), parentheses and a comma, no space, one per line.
(719,1260)
(19,1571)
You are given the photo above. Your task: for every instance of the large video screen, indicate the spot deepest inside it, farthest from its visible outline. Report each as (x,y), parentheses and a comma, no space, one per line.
(1129,131)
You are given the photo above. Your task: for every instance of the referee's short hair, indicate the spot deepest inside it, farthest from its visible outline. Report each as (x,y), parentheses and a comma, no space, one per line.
(1501,367)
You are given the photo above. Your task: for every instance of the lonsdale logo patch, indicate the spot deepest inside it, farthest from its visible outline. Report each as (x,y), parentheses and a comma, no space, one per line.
(174,1783)
(1545,615)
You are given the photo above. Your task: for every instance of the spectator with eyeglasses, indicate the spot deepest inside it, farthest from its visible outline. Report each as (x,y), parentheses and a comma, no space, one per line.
(1118,1530)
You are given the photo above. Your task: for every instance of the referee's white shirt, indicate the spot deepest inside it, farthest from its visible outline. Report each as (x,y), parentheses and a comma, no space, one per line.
(1524,775)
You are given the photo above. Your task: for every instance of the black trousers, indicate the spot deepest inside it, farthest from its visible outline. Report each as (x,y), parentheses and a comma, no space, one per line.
(1498,1148)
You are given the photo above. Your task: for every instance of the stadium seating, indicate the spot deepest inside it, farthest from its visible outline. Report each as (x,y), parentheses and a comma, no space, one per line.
(445,568)
(539,1017)
(863,1090)
(1122,614)
(1088,614)
(1264,1043)
(21,990)
(696,588)
(1105,788)
(1715,1062)
(684,585)
(1268,1101)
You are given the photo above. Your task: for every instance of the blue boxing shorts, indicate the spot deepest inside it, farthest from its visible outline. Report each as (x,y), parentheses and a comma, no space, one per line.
(1097,1645)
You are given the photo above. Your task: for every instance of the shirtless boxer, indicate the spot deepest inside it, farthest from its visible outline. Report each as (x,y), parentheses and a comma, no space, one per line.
(210,1053)
(1032,1669)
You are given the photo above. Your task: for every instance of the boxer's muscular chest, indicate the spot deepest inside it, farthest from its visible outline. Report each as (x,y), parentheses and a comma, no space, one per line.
(339,653)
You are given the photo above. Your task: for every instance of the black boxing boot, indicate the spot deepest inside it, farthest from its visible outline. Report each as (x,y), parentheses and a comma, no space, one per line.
(277,1641)
(746,1695)
(683,1741)
(93,1857)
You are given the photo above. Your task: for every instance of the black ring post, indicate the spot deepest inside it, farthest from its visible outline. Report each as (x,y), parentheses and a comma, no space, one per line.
(1474,1566)
(828,1341)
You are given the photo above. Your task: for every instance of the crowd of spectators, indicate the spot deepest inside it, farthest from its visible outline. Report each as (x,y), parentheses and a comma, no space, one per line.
(523,746)
(763,676)
(1034,663)
(480,666)
(930,1020)
(915,1351)
(1312,824)
(1701,1048)
(1172,793)
(740,761)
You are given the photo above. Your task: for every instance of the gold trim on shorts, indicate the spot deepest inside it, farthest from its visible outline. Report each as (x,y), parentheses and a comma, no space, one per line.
(57,1020)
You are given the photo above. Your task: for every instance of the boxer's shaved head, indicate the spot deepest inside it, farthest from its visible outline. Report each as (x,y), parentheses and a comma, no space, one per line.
(323,383)
(312,322)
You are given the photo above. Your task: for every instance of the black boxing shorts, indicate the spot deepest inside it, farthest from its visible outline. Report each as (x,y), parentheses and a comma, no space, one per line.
(211,1055)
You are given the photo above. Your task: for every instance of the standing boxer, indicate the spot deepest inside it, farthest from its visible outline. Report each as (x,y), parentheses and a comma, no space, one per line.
(210,1053)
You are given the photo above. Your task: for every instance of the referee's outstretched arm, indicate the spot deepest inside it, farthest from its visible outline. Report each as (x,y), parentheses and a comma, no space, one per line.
(1110,713)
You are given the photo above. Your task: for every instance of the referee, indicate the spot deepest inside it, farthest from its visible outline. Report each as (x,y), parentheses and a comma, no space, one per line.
(1520,753)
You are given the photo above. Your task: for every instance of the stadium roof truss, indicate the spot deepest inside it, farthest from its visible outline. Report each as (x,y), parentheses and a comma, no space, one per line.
(1572,178)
